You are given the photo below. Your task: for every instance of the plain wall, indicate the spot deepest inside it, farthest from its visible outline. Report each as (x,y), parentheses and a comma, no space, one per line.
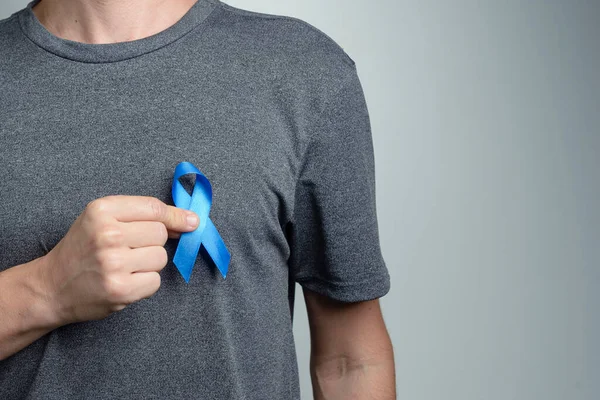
(486,126)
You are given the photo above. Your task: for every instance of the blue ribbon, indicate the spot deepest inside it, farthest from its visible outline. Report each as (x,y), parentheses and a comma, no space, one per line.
(206,234)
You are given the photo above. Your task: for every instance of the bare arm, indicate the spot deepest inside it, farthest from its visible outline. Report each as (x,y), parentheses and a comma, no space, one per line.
(110,257)
(351,351)
(25,314)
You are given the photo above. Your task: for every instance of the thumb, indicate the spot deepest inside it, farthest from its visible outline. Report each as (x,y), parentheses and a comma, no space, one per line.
(179,220)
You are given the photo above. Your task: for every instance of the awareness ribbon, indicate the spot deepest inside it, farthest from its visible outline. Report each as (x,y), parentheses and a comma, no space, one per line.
(206,234)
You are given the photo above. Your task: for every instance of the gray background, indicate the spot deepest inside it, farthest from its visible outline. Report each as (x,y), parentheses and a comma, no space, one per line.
(486,128)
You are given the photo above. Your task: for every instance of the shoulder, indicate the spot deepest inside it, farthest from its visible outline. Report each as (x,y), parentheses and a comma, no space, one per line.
(8,26)
(285,31)
(284,41)
(9,39)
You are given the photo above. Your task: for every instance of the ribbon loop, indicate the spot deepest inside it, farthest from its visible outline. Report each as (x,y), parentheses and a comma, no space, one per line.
(206,234)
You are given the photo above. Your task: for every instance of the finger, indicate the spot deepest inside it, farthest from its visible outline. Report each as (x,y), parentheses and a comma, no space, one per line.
(179,220)
(143,284)
(145,259)
(144,233)
(174,235)
(146,208)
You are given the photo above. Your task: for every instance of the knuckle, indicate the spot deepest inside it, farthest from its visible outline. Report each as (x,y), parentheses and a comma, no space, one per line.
(108,236)
(162,256)
(152,285)
(97,207)
(156,208)
(155,283)
(109,260)
(117,307)
(163,234)
(115,289)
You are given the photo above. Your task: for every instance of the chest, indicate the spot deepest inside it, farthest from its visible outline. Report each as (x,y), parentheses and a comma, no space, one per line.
(63,145)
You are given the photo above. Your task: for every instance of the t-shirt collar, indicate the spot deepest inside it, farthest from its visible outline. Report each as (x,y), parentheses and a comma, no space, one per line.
(111,52)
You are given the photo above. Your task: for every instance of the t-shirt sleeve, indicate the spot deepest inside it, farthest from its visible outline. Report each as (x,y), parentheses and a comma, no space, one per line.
(334,241)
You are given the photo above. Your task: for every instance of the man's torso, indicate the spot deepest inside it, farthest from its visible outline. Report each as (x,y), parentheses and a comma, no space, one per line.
(232,98)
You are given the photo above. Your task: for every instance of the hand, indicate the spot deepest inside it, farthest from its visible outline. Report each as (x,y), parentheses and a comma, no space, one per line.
(111,256)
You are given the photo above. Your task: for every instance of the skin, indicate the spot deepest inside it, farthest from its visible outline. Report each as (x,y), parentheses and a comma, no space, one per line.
(111,256)
(109,21)
(351,351)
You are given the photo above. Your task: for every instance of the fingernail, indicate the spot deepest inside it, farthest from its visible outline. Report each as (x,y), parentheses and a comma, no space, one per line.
(192,219)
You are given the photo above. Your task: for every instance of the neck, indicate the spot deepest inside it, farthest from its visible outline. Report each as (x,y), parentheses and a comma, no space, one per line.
(109,21)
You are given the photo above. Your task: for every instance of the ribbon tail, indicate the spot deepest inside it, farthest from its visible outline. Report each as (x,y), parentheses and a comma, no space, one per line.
(214,245)
(186,252)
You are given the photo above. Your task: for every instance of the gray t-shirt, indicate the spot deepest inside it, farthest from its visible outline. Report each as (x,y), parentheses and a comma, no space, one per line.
(271,110)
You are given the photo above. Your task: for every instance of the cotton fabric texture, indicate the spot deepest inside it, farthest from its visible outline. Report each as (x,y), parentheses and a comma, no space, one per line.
(272,111)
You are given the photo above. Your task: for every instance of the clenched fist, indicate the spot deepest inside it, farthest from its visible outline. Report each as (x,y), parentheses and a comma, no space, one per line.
(111,256)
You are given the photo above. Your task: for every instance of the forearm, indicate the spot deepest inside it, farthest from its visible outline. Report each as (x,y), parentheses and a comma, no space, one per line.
(25,313)
(347,377)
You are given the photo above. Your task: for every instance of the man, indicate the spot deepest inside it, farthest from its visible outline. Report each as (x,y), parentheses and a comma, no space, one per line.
(99,101)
